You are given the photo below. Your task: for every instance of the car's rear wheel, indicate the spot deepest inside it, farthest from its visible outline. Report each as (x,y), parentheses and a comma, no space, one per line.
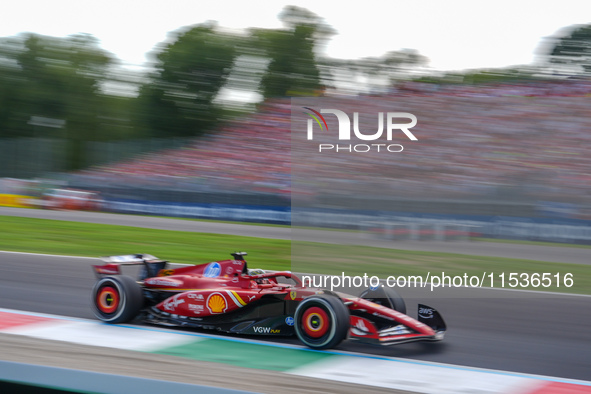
(117,299)
(385,296)
(321,321)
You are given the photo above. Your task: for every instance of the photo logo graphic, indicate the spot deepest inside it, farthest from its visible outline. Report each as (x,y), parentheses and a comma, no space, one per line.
(391,119)
(317,121)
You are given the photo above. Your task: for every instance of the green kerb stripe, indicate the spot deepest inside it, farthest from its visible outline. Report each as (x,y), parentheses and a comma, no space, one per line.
(245,354)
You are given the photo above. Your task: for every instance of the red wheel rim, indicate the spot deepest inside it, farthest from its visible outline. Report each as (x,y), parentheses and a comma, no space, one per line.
(107,299)
(315,322)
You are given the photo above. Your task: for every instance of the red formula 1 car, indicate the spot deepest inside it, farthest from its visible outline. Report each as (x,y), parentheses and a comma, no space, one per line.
(226,296)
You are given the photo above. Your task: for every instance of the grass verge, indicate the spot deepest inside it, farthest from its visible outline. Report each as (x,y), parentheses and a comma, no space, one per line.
(94,240)
(359,260)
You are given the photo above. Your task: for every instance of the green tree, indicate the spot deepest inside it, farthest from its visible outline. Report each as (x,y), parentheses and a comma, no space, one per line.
(376,72)
(13,115)
(58,80)
(292,68)
(190,71)
(571,51)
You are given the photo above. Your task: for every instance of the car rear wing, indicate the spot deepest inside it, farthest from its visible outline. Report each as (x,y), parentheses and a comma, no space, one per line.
(151,265)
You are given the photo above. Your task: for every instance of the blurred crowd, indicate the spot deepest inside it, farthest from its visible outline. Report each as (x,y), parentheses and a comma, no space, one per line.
(251,154)
(502,141)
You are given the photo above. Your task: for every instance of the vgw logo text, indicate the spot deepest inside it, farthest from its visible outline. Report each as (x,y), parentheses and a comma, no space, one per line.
(266,330)
(345,130)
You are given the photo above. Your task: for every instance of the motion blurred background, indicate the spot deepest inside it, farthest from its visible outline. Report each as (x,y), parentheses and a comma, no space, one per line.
(202,127)
(197,110)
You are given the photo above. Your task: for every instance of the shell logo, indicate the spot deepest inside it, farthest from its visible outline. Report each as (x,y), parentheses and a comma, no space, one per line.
(216,303)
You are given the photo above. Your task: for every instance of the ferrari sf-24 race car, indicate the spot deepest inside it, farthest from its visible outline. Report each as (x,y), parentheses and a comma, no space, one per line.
(227,296)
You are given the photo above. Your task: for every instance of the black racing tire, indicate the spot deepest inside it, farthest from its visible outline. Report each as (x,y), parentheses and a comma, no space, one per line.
(385,296)
(117,299)
(321,321)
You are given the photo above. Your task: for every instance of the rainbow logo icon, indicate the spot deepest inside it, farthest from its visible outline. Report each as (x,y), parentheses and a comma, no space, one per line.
(316,117)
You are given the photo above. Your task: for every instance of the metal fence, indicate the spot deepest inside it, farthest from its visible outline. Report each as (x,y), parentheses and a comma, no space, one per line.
(31,157)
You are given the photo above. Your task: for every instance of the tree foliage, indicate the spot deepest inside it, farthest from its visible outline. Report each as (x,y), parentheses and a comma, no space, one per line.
(376,72)
(292,69)
(573,50)
(190,71)
(55,87)
(57,80)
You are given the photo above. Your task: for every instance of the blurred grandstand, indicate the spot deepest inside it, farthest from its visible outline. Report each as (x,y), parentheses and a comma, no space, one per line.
(500,149)
(484,153)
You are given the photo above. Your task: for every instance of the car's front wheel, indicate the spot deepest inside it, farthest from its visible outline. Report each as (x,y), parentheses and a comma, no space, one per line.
(117,299)
(321,321)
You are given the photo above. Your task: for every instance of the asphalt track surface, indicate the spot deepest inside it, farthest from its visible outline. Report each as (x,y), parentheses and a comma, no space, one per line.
(527,332)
